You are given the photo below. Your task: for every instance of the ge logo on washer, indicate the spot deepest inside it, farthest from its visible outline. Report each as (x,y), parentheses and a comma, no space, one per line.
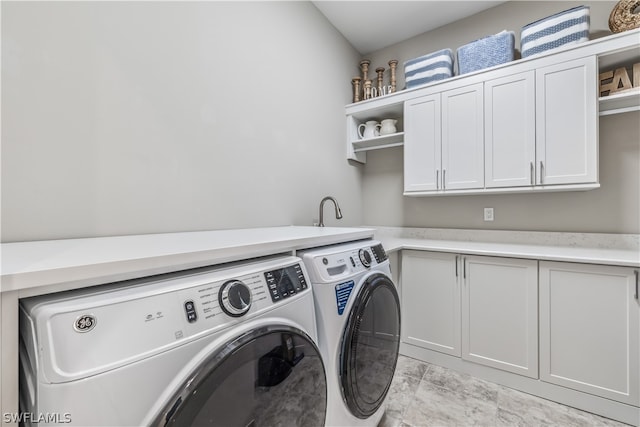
(85,323)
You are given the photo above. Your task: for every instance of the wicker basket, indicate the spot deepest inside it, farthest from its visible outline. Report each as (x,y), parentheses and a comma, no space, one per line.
(567,27)
(486,52)
(622,17)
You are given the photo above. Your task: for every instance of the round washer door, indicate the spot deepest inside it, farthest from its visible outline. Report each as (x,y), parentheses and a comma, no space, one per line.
(370,346)
(266,377)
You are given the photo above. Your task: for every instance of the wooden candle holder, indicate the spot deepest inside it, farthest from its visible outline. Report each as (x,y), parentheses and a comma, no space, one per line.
(380,72)
(364,66)
(367,89)
(392,65)
(356,88)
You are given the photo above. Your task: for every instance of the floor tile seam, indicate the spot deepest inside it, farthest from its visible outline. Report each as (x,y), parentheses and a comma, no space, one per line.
(417,377)
(405,407)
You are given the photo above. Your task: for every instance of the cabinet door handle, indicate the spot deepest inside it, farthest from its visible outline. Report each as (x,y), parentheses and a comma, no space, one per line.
(457,266)
(444,179)
(532,174)
(464,268)
(541,172)
(437,179)
(636,273)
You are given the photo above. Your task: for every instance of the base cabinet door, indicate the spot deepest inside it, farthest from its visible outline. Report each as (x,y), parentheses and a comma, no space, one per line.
(431,301)
(590,329)
(500,313)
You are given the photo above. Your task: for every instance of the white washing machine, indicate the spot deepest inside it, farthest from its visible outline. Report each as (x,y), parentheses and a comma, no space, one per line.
(226,346)
(358,313)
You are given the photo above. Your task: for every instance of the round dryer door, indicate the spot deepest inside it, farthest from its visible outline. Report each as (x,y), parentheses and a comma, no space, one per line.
(267,377)
(370,346)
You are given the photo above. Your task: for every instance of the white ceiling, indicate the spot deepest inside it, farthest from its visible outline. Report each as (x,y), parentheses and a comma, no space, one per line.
(373,25)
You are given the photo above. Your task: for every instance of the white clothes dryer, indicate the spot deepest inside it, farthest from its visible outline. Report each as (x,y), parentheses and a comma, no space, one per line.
(358,313)
(229,346)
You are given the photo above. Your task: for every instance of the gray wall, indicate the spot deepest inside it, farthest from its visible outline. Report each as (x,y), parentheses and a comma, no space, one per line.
(613,208)
(140,117)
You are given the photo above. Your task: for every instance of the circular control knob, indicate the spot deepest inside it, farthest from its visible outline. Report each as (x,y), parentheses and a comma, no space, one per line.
(365,258)
(234,298)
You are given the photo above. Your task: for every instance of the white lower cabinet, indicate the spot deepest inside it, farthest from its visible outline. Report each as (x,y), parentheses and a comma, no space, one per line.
(431,301)
(500,313)
(590,329)
(483,309)
(571,331)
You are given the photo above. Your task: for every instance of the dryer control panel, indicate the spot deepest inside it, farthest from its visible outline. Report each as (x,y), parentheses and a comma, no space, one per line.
(352,259)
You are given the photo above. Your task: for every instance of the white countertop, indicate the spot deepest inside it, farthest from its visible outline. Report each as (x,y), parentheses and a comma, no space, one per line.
(591,248)
(74,263)
(56,265)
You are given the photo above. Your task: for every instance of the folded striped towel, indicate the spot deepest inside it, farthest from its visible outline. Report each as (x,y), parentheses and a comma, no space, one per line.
(567,27)
(424,69)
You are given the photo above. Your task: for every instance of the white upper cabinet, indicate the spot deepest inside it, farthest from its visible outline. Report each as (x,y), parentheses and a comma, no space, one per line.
(528,125)
(462,138)
(567,123)
(422,151)
(510,131)
(534,130)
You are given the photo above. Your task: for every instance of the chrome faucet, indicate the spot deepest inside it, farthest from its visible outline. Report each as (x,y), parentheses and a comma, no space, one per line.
(338,212)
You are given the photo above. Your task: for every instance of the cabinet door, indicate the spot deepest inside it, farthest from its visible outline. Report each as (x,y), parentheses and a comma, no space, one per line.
(431,301)
(463,138)
(422,155)
(590,329)
(567,123)
(500,313)
(510,131)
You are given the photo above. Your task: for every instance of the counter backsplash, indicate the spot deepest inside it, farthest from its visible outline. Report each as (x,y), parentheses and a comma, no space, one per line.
(576,240)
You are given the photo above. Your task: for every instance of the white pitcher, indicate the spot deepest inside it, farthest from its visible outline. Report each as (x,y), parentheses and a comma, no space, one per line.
(388,127)
(371,129)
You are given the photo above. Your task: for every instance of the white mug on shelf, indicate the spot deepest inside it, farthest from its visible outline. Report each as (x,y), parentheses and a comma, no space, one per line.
(371,129)
(388,127)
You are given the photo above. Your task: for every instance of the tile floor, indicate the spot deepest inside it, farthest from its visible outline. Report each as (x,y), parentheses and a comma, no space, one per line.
(424,395)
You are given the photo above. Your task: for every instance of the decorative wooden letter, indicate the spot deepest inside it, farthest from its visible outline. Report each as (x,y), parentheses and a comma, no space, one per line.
(615,81)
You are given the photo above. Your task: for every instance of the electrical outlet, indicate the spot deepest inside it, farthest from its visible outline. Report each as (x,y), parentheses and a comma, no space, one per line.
(488,214)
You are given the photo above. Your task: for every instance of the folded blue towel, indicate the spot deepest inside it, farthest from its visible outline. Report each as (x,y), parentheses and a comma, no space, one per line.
(424,69)
(486,52)
(570,26)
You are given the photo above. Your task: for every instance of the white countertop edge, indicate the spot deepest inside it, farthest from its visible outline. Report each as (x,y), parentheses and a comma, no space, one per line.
(74,263)
(618,257)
